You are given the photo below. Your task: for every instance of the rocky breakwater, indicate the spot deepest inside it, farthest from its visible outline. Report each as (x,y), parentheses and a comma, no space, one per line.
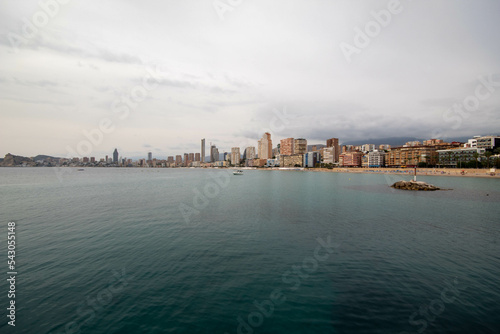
(414,185)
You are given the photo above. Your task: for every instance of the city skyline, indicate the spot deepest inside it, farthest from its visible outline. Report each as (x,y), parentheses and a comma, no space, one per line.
(430,69)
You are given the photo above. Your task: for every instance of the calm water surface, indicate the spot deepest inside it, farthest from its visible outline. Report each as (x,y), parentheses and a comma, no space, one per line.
(200,251)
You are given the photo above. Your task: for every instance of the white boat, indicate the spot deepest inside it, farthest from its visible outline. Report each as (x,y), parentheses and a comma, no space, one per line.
(238,172)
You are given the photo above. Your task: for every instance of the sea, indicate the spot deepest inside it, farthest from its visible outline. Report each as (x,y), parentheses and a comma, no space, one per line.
(132,250)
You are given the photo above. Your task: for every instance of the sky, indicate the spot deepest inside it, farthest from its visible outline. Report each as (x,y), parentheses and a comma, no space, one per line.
(83,78)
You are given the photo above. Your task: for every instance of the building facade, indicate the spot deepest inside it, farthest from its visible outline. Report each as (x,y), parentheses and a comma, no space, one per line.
(311,159)
(235,156)
(295,160)
(351,159)
(300,146)
(265,146)
(287,146)
(376,159)
(457,157)
(202,157)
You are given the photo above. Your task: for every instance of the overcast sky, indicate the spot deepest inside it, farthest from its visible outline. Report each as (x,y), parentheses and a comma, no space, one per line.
(223,74)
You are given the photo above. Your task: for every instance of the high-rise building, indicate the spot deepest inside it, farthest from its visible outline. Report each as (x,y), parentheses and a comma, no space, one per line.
(186,160)
(203,150)
(197,157)
(249,153)
(235,156)
(287,146)
(150,156)
(178,160)
(334,142)
(214,153)
(115,156)
(300,146)
(191,157)
(265,146)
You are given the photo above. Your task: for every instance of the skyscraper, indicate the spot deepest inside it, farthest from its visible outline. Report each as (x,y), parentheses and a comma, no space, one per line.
(214,153)
(115,155)
(202,150)
(150,156)
(265,146)
(249,153)
(235,156)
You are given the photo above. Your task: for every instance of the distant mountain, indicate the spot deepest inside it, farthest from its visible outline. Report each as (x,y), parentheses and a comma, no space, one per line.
(43,157)
(318,146)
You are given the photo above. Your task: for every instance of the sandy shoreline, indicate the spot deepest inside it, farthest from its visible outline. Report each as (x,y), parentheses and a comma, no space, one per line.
(485,173)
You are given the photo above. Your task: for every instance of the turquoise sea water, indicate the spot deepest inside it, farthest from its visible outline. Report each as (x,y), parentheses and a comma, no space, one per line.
(201,251)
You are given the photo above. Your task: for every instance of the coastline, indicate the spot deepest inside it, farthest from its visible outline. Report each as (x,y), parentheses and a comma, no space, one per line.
(453,172)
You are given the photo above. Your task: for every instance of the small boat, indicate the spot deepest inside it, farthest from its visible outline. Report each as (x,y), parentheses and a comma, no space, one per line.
(81,170)
(238,172)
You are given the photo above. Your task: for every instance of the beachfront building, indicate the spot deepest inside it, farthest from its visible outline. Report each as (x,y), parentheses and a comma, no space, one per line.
(272,163)
(287,146)
(221,164)
(300,146)
(328,155)
(488,142)
(249,153)
(351,159)
(178,160)
(311,159)
(334,142)
(376,159)
(265,148)
(235,156)
(411,156)
(259,162)
(295,160)
(457,157)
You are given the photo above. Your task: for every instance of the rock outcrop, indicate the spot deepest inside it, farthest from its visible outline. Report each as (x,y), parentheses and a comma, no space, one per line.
(414,185)
(16,160)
